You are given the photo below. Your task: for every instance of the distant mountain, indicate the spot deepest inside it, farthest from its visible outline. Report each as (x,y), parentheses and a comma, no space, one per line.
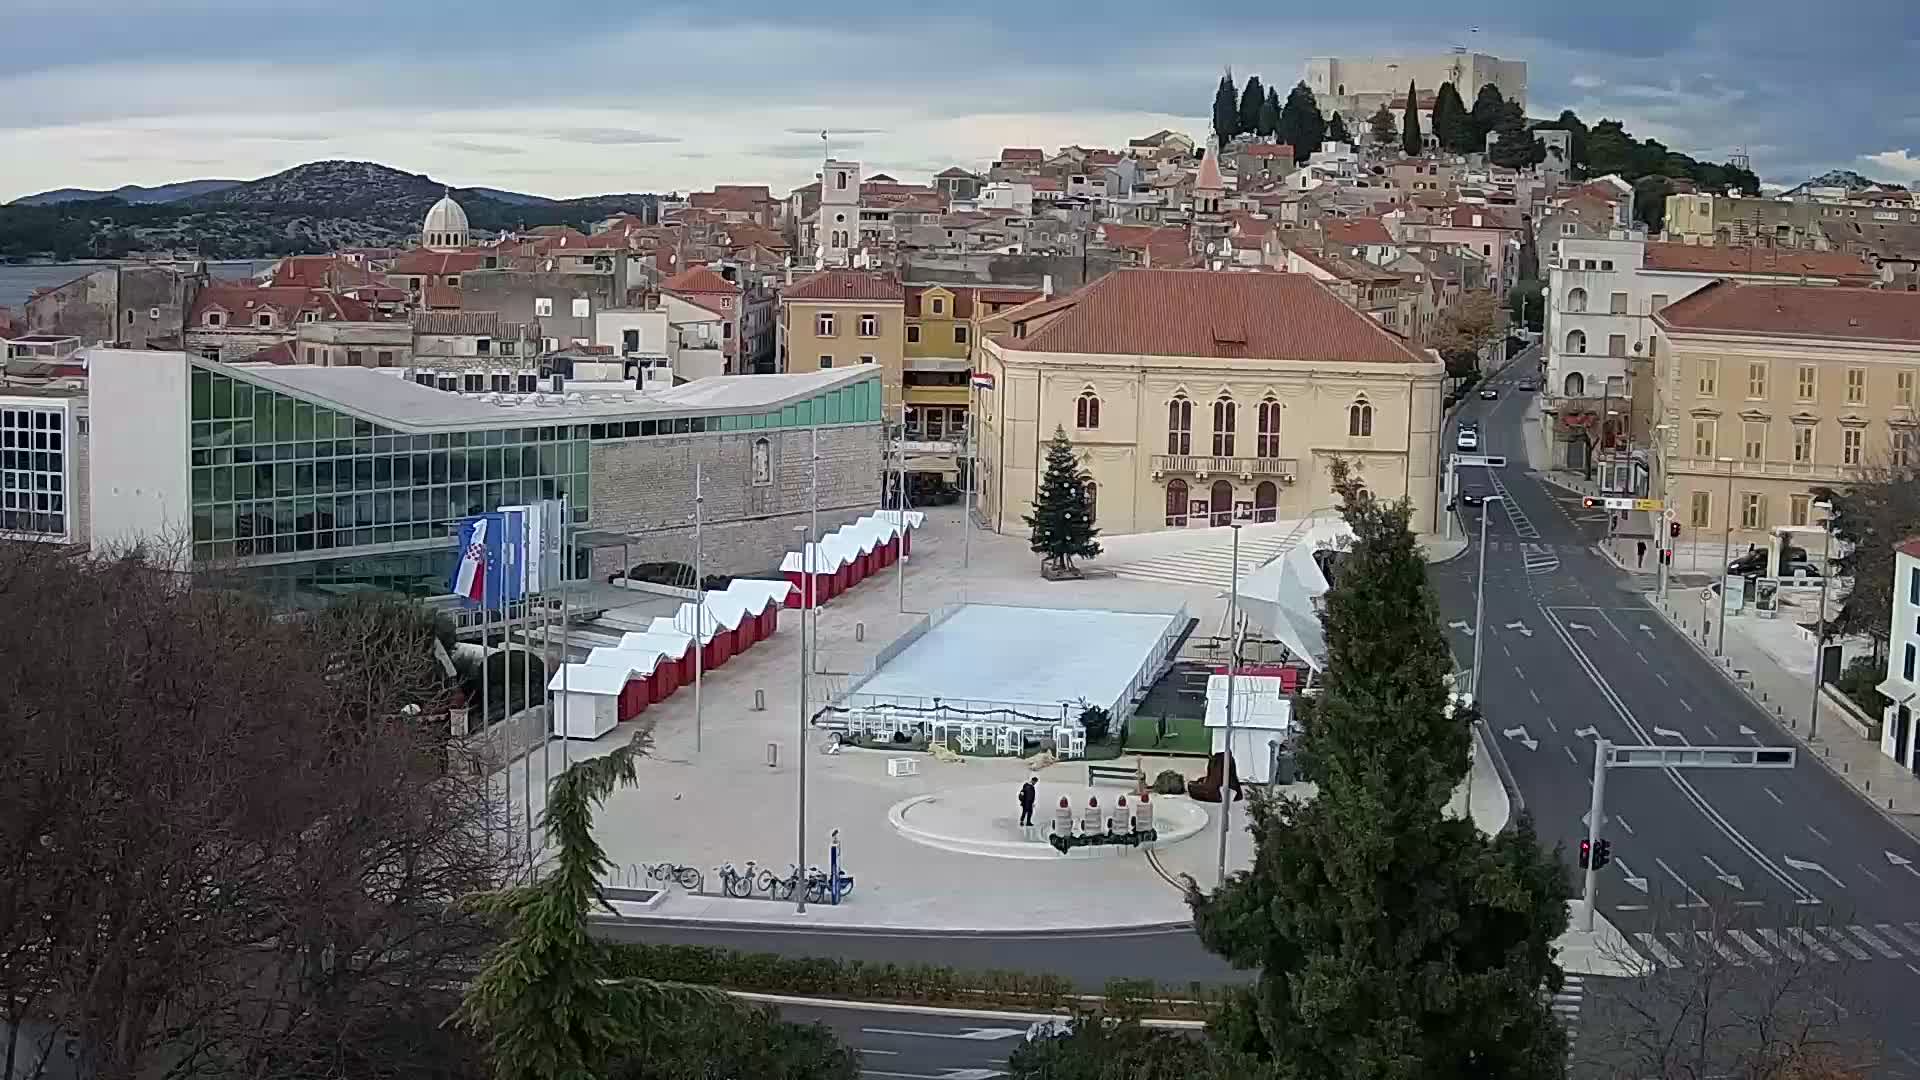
(131,194)
(513,198)
(1846,179)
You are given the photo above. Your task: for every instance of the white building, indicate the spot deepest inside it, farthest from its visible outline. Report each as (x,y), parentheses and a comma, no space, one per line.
(838,224)
(1362,84)
(445,227)
(1262,723)
(1006,197)
(1897,738)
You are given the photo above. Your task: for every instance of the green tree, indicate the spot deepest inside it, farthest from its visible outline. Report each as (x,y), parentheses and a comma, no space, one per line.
(1516,147)
(1301,125)
(1226,110)
(1252,97)
(1451,124)
(1391,939)
(547,1006)
(1098,1048)
(1650,201)
(1270,113)
(1382,127)
(1411,142)
(1872,514)
(1062,518)
(1527,303)
(1337,130)
(1486,113)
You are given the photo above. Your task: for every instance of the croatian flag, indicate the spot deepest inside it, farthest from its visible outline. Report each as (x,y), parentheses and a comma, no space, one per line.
(470,581)
(982,380)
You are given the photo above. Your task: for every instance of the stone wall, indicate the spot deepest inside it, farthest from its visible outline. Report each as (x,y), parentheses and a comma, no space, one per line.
(134,305)
(644,487)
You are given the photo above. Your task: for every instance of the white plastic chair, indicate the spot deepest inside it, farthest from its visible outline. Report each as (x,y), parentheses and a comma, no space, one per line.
(1078,746)
(969,737)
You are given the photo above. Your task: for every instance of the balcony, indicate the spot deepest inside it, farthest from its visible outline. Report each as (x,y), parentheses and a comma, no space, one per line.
(1247,468)
(1770,470)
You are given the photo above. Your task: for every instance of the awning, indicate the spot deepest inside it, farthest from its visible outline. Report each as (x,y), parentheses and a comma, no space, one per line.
(1280,597)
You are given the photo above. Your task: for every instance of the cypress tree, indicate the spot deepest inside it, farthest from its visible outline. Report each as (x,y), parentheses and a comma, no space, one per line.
(1301,124)
(1382,126)
(1270,113)
(1337,130)
(1252,97)
(1450,123)
(1487,105)
(1226,111)
(1062,519)
(1410,139)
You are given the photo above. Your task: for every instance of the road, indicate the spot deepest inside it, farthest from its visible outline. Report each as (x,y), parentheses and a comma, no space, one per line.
(896,1045)
(1789,863)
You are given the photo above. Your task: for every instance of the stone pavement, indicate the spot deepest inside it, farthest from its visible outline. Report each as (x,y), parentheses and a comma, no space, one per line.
(1787,693)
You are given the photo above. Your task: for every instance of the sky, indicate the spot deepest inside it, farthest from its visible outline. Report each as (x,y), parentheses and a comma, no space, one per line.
(580,97)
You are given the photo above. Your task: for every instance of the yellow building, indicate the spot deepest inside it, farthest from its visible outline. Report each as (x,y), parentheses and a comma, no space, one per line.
(942,342)
(1766,391)
(1194,395)
(842,318)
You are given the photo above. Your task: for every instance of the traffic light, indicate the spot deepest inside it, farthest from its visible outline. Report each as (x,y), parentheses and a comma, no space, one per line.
(1586,852)
(1591,503)
(1673,529)
(1604,855)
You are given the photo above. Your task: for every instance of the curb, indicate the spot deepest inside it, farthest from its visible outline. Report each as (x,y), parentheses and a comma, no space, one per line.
(734,926)
(937,1010)
(1894,818)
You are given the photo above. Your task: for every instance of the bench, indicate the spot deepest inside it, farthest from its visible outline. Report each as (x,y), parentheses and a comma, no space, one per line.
(903,766)
(1121,774)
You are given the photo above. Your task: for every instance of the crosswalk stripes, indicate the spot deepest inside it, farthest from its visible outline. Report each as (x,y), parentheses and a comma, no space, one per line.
(1566,1006)
(1211,565)
(1766,945)
(1540,558)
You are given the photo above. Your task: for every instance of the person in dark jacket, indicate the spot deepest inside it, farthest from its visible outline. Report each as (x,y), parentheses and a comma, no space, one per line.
(1027,792)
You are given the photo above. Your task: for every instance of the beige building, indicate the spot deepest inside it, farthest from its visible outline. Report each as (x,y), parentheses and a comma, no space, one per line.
(1194,395)
(842,318)
(1767,391)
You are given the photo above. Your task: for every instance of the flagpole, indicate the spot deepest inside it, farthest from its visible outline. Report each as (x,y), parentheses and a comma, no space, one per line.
(566,625)
(966,460)
(546,650)
(699,611)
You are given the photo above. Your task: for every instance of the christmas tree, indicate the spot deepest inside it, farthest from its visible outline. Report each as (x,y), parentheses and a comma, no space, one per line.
(1062,518)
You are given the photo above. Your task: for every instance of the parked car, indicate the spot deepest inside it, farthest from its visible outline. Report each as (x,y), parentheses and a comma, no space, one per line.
(1467,439)
(1471,498)
(1529,385)
(1489,393)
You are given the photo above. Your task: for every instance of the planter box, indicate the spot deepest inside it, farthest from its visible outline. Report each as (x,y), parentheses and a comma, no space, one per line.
(1867,727)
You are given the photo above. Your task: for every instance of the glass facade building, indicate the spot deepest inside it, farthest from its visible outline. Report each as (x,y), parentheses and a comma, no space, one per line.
(34,470)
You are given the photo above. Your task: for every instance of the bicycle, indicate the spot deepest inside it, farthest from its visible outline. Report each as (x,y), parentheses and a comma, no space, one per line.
(820,887)
(687,877)
(738,884)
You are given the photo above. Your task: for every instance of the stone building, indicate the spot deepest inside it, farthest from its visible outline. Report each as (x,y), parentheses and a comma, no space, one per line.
(134,307)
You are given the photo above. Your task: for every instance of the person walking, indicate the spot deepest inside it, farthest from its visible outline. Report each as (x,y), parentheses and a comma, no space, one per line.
(1640,553)
(1027,794)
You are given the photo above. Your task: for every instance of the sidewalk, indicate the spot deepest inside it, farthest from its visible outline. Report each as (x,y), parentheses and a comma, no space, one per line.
(1786,694)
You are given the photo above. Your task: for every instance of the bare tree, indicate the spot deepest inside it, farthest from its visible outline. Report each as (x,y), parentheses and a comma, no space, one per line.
(1727,991)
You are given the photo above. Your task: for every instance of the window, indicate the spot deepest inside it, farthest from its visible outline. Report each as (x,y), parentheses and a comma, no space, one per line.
(1568,228)
(356,358)
(823,324)
(913,335)
(386,358)
(543,306)
(484,346)
(826,361)
(939,305)
(1176,502)
(840,181)
(1617,302)
(1703,438)
(1606,264)
(1224,413)
(1803,443)
(1575,384)
(1576,341)
(726,331)
(1903,388)
(1901,448)
(1616,344)
(1757,380)
(1179,429)
(1906,663)
(1576,299)
(866,359)
(1700,510)
(1360,419)
(1797,507)
(959,335)
(869,325)
(213,318)
(1086,411)
(265,318)
(1708,382)
(1267,441)
(1659,301)
(1913,587)
(1851,441)
(1753,509)
(1806,382)
(1754,440)
(1856,385)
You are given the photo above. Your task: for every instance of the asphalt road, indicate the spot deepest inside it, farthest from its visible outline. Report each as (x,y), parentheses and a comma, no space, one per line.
(896,1045)
(1778,864)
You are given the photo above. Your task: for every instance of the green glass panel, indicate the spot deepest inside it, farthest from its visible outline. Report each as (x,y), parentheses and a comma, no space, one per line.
(202,394)
(222,397)
(243,482)
(202,434)
(262,416)
(303,420)
(223,523)
(242,399)
(202,525)
(202,487)
(284,409)
(579,455)
(222,484)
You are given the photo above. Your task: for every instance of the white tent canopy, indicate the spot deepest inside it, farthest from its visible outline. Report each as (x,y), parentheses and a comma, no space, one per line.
(668,642)
(756,594)
(642,660)
(592,678)
(1281,597)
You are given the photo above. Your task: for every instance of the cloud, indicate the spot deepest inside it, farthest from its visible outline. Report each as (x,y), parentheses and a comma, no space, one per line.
(1901,164)
(479,147)
(835,131)
(609,136)
(804,151)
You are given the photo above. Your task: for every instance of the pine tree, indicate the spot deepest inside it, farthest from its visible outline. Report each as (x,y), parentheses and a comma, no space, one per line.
(1270,113)
(1252,97)
(1411,142)
(1450,122)
(1337,130)
(1226,110)
(1391,939)
(1301,124)
(1486,113)
(1062,518)
(1383,129)
(1516,148)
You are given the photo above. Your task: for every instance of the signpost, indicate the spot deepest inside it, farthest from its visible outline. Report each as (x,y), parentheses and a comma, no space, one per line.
(1455,461)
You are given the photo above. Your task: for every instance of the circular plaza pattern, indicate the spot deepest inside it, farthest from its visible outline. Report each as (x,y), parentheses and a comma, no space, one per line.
(985,820)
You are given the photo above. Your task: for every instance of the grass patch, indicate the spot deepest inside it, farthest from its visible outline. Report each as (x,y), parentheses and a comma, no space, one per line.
(1187,736)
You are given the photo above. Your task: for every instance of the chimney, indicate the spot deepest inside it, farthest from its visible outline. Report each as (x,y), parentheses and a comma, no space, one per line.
(1046,286)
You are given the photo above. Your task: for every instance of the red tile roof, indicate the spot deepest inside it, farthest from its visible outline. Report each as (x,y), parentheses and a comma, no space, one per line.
(1269,150)
(442,297)
(955,172)
(1909,546)
(1215,314)
(1022,153)
(422,261)
(844,285)
(320,272)
(1354,232)
(1823,312)
(1786,262)
(699,279)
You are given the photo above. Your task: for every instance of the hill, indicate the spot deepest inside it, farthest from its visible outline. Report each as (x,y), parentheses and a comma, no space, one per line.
(131,194)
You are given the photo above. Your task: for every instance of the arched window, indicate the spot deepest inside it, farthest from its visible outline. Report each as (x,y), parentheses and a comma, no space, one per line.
(1266,502)
(1267,444)
(1576,384)
(1176,502)
(1086,411)
(1576,299)
(1223,423)
(1220,502)
(1576,341)
(1093,500)
(1360,418)
(1179,426)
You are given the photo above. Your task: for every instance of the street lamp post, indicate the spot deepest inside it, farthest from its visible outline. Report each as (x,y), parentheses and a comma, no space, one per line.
(807,594)
(1820,633)
(1726,558)
(1663,543)
(1480,593)
(1233,663)
(1606,424)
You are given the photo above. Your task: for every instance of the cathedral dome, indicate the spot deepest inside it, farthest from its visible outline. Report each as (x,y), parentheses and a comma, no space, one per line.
(446,225)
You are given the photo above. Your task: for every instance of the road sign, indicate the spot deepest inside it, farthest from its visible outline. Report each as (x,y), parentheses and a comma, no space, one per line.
(1700,757)
(1612,502)
(1488,461)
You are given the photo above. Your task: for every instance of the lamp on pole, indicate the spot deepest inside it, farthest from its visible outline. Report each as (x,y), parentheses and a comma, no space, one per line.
(807,600)
(1663,546)
(1609,471)
(1820,633)
(1726,558)
(1233,664)
(700,609)
(1480,593)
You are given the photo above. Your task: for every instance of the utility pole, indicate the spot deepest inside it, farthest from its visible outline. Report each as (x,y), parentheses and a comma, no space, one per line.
(1726,559)
(1480,594)
(1595,809)
(1820,636)
(699,610)
(1233,665)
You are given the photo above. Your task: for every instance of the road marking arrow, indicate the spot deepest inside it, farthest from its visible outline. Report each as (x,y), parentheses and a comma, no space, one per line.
(1725,878)
(1647,630)
(1585,733)
(1669,733)
(1904,864)
(1461,625)
(1802,864)
(1519,734)
(1637,882)
(969,1035)
(1520,626)
(1747,731)
(944,1074)
(1581,626)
